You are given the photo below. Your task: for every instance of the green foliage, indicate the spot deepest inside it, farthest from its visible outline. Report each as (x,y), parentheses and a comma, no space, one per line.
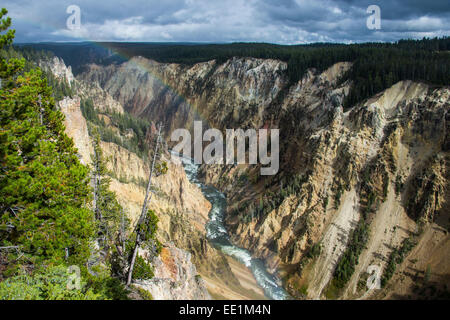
(243,179)
(142,269)
(350,258)
(30,58)
(109,213)
(5,23)
(44,188)
(325,203)
(124,122)
(46,284)
(8,68)
(370,200)
(43,185)
(60,88)
(148,231)
(51,283)
(398,185)
(376,66)
(332,292)
(379,67)
(385,187)
(161,168)
(146,295)
(304,290)
(273,199)
(108,287)
(88,111)
(427,273)
(337,196)
(314,251)
(396,257)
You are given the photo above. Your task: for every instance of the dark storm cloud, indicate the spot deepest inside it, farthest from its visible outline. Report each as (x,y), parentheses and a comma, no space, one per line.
(345,20)
(396,9)
(278,21)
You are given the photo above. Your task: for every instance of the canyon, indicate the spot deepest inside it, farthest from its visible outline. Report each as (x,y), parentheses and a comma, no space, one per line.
(188,263)
(380,167)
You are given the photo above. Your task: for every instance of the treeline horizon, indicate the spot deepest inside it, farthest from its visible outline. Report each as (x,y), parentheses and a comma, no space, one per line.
(192,52)
(376,66)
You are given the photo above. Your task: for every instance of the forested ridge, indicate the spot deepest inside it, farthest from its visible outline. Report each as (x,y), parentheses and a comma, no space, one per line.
(137,143)
(376,66)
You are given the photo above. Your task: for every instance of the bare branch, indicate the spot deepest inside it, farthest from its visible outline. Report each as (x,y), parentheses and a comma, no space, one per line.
(147,199)
(10,247)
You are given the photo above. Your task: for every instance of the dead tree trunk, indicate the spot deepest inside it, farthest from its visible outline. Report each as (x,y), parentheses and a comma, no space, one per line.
(148,197)
(122,231)
(41,111)
(96,182)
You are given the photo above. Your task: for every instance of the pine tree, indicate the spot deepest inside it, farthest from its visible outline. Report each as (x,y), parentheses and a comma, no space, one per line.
(44,188)
(108,212)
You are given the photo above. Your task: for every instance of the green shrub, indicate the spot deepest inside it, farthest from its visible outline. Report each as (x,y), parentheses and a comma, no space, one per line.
(44,188)
(146,295)
(142,269)
(47,284)
(396,257)
(304,290)
(314,251)
(136,144)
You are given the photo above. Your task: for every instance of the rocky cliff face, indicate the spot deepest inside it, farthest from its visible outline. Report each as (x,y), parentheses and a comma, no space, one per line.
(180,205)
(176,277)
(58,68)
(381,166)
(217,94)
(76,128)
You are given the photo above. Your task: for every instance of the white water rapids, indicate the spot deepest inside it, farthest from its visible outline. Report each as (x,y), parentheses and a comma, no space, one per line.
(218,236)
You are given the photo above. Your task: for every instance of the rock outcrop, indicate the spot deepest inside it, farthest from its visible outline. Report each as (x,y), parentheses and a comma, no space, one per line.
(57,67)
(76,128)
(176,277)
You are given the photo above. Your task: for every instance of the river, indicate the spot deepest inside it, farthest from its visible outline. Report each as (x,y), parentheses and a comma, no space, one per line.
(219,238)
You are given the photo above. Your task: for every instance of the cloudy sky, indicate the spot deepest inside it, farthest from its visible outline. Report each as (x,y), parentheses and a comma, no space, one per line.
(274,21)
